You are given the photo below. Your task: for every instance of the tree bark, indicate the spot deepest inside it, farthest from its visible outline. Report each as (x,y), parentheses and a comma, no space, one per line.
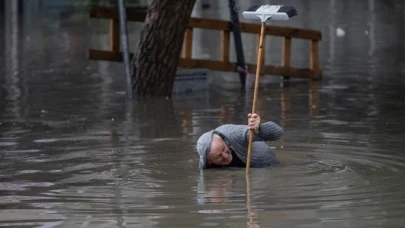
(156,58)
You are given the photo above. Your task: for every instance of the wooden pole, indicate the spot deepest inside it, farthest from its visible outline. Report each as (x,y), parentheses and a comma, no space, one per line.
(314,59)
(286,54)
(249,203)
(114,35)
(188,44)
(258,69)
(259,36)
(225,46)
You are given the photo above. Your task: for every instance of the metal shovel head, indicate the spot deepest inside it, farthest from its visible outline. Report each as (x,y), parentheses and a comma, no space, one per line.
(272,12)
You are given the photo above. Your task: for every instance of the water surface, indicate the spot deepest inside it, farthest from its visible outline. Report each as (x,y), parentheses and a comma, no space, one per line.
(73,153)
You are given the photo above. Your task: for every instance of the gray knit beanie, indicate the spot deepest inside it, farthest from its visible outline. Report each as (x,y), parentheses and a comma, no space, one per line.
(203,146)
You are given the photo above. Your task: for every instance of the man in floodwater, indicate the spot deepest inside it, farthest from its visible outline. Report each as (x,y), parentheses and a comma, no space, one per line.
(227,145)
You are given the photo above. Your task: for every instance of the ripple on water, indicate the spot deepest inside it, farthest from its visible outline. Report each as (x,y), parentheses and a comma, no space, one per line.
(319,181)
(328,180)
(316,182)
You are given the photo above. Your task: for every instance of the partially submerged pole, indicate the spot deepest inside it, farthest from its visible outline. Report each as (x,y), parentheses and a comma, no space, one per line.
(125,48)
(264,13)
(240,65)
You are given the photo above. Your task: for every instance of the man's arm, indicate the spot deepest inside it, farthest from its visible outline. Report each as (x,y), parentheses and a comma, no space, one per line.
(268,131)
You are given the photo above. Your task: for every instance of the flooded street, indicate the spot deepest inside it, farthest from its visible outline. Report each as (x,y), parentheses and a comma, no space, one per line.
(73,153)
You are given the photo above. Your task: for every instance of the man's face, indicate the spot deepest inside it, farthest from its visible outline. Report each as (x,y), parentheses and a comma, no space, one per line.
(219,153)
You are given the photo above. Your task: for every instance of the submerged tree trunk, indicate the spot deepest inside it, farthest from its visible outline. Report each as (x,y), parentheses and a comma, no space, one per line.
(157,56)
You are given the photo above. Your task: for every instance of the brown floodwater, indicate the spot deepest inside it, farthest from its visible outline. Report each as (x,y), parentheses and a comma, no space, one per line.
(74,153)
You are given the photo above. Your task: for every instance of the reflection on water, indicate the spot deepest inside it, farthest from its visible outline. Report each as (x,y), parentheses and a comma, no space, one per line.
(74,154)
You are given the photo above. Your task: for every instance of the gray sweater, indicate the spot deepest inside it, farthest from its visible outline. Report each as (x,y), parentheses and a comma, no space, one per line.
(237,137)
